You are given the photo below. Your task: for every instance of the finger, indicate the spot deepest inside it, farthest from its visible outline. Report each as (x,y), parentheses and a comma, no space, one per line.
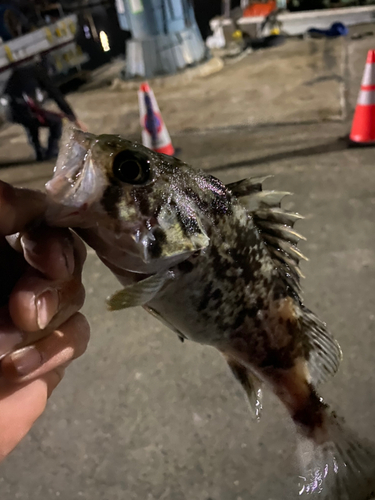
(20,406)
(50,251)
(19,207)
(12,267)
(56,253)
(10,335)
(67,343)
(80,249)
(36,303)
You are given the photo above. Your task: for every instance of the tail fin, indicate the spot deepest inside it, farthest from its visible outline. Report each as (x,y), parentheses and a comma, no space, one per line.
(336,464)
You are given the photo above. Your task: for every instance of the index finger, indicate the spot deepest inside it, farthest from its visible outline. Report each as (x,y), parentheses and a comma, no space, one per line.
(19,207)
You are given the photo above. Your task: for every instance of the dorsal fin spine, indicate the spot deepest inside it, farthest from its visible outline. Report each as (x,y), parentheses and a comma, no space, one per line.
(275,226)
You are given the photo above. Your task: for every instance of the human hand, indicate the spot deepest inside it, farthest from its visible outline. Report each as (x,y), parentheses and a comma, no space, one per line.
(82,126)
(40,294)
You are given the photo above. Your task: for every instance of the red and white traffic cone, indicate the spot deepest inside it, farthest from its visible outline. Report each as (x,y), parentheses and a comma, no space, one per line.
(363,126)
(154,132)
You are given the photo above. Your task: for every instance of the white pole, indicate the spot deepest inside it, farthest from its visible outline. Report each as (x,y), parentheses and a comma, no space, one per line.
(226,8)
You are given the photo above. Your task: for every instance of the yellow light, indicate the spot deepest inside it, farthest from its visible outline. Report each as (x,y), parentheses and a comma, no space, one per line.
(104,41)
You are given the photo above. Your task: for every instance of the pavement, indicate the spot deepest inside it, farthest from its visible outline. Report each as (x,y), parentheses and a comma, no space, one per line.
(142,416)
(293,82)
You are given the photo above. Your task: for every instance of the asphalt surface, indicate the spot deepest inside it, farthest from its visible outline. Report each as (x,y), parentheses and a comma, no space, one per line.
(142,416)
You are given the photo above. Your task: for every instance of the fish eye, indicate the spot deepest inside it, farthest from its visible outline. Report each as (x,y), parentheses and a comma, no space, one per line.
(131,168)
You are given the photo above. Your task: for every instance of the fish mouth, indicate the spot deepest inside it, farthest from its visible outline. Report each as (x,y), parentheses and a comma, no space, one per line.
(125,276)
(76,182)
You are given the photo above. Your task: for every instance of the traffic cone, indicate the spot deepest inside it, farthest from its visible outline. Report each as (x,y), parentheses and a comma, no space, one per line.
(363,126)
(154,132)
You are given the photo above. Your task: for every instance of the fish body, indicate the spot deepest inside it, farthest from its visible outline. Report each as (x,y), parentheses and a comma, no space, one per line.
(219,265)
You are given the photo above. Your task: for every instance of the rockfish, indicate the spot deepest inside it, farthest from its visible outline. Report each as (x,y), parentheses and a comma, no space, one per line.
(219,265)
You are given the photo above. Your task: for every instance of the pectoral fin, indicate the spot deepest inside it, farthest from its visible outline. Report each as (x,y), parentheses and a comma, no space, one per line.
(139,293)
(251,385)
(158,316)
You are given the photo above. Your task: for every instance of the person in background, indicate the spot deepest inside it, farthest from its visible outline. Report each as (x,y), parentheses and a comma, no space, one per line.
(25,89)
(13,22)
(41,292)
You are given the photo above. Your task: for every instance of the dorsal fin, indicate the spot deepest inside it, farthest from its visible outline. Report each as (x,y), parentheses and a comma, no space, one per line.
(275,225)
(323,354)
(247,186)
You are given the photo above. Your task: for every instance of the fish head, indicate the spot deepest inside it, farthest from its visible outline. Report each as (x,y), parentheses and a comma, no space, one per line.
(138,209)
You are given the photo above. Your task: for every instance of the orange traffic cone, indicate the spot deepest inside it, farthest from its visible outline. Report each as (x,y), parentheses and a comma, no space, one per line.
(363,127)
(154,132)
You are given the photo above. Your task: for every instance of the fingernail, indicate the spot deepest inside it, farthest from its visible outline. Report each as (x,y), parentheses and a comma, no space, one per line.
(47,305)
(26,360)
(14,241)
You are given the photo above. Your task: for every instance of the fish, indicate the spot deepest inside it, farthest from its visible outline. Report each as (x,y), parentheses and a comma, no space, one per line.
(219,265)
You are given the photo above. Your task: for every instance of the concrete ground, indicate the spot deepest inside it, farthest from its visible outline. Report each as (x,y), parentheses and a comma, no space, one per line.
(143,417)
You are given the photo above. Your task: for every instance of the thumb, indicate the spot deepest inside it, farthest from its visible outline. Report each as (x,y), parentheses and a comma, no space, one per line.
(21,406)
